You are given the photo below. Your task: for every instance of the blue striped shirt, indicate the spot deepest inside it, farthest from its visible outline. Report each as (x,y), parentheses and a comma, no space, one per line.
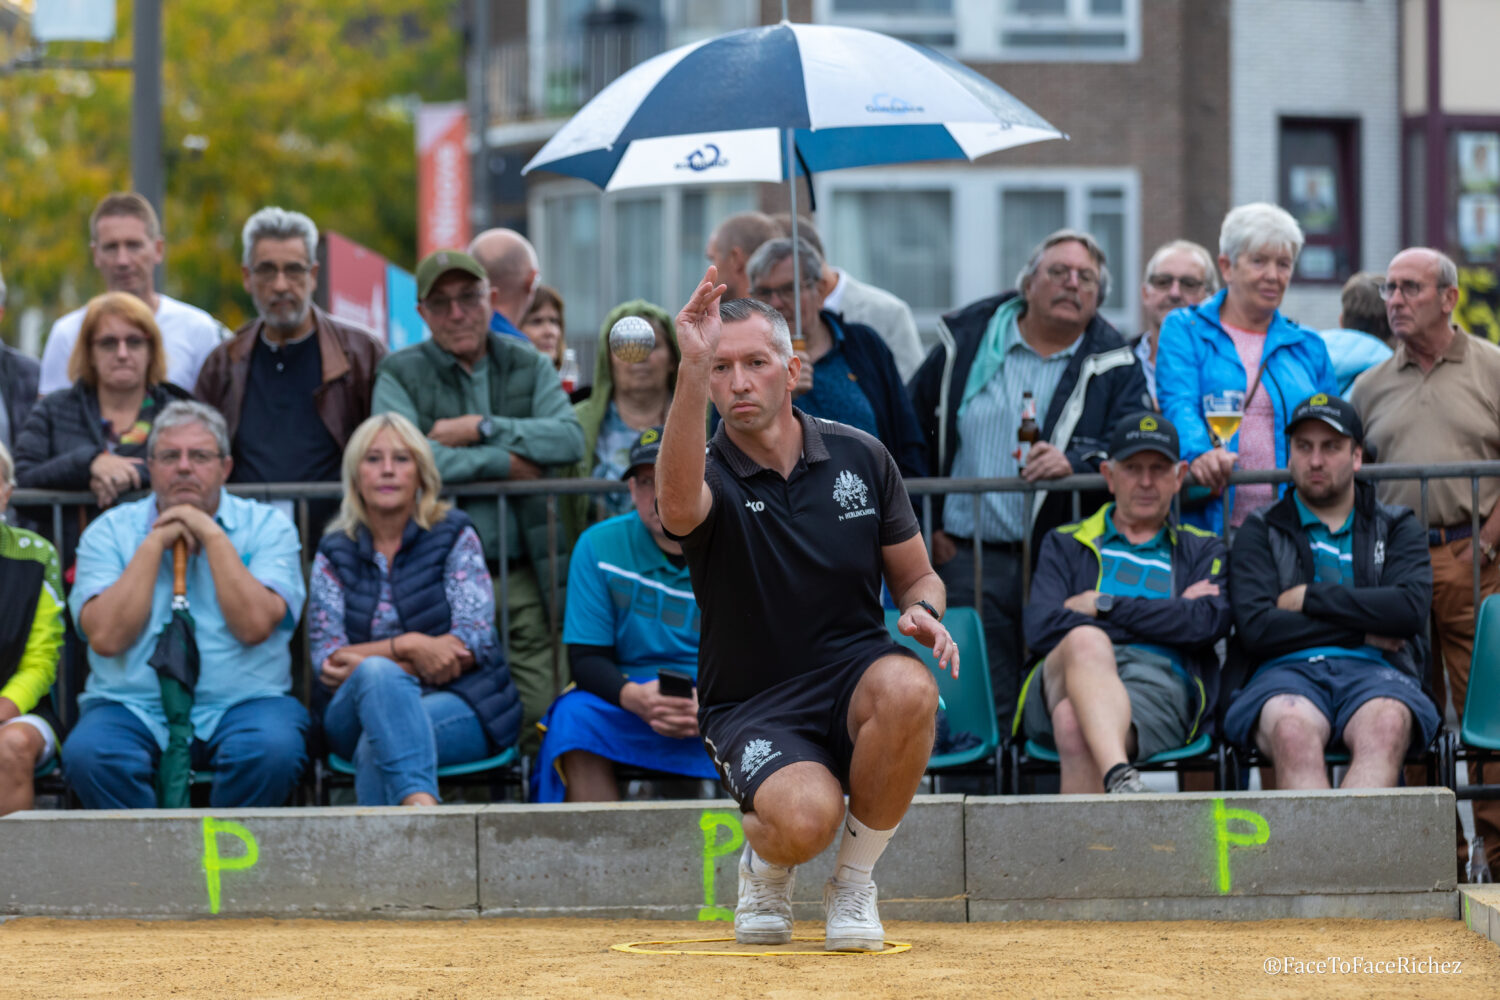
(987,429)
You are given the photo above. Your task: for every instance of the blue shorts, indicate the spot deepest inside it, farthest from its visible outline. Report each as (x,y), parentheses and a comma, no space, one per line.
(1337,687)
(582,721)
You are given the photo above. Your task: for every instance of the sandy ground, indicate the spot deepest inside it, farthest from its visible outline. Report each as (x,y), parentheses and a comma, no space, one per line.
(571,958)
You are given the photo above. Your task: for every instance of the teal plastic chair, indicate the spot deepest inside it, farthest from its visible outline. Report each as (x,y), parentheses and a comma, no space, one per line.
(1199,751)
(969,701)
(502,764)
(1479,731)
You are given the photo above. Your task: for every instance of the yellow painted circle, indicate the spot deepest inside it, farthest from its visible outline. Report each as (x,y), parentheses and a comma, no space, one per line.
(674,948)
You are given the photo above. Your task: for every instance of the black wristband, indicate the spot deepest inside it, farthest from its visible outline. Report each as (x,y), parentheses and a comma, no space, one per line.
(929,609)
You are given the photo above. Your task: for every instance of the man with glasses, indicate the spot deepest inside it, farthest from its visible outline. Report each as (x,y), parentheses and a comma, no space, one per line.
(294,366)
(125,237)
(494,409)
(245,588)
(1435,401)
(1179,273)
(1046,339)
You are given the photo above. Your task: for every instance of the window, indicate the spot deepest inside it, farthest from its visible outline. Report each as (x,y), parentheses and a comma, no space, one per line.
(992,30)
(1320,187)
(940,238)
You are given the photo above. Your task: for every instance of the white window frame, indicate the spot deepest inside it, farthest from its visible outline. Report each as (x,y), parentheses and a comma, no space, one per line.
(978,26)
(975,200)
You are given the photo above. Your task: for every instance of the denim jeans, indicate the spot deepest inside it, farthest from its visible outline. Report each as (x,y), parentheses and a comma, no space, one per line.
(396,735)
(257,753)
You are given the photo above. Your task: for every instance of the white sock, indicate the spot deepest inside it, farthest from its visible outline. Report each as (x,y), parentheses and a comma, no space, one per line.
(859,850)
(760,866)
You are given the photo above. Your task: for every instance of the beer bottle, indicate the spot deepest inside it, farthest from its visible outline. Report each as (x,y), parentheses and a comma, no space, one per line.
(1028,433)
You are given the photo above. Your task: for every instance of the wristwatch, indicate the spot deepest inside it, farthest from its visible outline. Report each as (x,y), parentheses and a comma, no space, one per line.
(486,427)
(1103,605)
(929,609)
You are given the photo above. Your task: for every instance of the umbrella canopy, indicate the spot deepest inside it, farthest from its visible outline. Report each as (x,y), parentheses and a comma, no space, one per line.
(176,662)
(715,111)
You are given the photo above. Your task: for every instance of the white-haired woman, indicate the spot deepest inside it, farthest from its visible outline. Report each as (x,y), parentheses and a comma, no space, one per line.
(1238,340)
(401,621)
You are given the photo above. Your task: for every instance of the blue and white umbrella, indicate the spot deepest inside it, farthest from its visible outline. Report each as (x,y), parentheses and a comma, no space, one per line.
(718,111)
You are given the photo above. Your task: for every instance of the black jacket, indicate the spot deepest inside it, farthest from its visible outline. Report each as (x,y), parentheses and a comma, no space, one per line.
(1102,383)
(18,381)
(1391,595)
(64,433)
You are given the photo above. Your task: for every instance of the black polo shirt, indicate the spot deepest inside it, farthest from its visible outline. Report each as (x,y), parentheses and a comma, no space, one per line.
(787,572)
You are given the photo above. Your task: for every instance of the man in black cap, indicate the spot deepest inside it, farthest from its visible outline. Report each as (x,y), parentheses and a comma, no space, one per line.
(1330,591)
(1126,608)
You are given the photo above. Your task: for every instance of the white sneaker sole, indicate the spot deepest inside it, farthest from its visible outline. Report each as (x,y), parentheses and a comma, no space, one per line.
(849,943)
(762,937)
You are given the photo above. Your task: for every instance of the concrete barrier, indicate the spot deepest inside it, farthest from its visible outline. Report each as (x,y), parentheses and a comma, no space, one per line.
(1481,910)
(1246,856)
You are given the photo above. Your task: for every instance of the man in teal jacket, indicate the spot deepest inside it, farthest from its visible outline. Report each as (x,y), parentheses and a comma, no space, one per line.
(1126,609)
(494,409)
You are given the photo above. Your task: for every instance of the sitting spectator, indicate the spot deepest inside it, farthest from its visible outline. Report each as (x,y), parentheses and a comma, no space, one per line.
(1180,273)
(1126,609)
(1364,337)
(92,436)
(245,588)
(18,386)
(1238,340)
(31,639)
(401,623)
(627,398)
(294,366)
(630,614)
(848,374)
(543,324)
(1331,591)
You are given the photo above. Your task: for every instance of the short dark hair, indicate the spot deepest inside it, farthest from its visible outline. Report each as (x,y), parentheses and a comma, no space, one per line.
(739,310)
(1363,308)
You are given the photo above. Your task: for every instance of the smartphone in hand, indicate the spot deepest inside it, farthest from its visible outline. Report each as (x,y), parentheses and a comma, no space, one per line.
(675,683)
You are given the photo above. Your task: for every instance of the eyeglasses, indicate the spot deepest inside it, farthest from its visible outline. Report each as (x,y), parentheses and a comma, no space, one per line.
(267,271)
(441,304)
(1086,278)
(1409,289)
(110,345)
(783,292)
(1163,282)
(197,456)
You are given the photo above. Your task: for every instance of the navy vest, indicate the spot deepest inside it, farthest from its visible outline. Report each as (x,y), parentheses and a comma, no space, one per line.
(419,591)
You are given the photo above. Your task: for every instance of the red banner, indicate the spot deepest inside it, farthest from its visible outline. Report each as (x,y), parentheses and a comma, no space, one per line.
(442,178)
(355,277)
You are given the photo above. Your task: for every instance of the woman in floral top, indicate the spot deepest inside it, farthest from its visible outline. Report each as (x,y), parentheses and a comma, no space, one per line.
(401,621)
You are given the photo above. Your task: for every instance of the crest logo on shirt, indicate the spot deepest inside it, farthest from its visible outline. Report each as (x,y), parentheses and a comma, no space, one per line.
(756,755)
(850,493)
(1379,554)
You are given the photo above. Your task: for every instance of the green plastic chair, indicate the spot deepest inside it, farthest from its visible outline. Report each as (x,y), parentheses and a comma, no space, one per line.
(1479,730)
(504,762)
(969,701)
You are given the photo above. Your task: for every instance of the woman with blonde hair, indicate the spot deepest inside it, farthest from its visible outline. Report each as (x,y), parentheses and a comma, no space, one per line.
(401,621)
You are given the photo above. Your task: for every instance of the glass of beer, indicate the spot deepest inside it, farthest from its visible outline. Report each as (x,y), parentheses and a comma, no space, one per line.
(1224,410)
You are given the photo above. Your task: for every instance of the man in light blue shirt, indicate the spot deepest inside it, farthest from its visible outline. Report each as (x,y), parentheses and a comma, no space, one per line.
(245,589)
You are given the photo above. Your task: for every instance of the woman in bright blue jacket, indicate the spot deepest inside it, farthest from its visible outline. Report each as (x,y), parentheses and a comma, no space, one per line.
(1236,340)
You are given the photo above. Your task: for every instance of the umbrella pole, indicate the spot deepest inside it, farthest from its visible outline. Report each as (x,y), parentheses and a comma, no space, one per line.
(798,341)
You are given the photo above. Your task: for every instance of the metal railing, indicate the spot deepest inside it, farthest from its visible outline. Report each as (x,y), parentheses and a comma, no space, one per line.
(555,78)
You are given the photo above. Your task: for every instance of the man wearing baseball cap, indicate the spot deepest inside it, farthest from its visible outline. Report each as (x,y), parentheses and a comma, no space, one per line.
(494,409)
(1125,608)
(631,616)
(1330,590)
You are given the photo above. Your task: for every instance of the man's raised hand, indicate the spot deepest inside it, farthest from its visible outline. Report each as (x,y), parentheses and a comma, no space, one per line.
(698,323)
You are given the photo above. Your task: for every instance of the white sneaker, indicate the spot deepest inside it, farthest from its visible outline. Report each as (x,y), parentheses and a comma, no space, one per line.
(853,920)
(763,914)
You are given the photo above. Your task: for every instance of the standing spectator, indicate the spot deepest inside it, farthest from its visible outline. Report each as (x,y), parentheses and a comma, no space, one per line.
(730,247)
(631,613)
(31,641)
(848,373)
(544,326)
(509,261)
(1048,339)
(127,244)
(493,409)
(1331,592)
(1180,273)
(1435,400)
(1126,608)
(92,436)
(1364,336)
(244,584)
(853,301)
(401,622)
(1239,340)
(18,385)
(294,366)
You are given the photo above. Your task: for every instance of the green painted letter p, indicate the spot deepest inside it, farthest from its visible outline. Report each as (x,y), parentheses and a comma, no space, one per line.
(213,864)
(711,822)
(1260,832)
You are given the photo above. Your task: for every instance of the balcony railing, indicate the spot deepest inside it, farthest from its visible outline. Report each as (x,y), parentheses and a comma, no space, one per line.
(555,78)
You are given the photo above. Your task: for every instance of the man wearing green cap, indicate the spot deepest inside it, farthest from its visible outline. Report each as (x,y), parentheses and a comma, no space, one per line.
(494,409)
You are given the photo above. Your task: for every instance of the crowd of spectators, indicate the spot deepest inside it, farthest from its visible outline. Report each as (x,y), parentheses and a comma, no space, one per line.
(1119,651)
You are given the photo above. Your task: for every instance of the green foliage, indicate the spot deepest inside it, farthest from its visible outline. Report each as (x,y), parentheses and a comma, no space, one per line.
(307,104)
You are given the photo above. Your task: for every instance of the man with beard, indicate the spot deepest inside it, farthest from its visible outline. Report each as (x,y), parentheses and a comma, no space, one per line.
(295,382)
(1330,591)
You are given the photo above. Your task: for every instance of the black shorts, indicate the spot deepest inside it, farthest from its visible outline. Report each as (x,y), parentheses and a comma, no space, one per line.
(803,718)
